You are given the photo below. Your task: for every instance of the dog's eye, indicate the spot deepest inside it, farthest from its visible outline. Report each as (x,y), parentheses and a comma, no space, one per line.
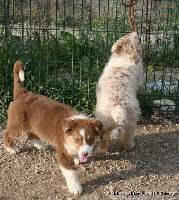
(96,132)
(90,140)
(76,140)
(68,131)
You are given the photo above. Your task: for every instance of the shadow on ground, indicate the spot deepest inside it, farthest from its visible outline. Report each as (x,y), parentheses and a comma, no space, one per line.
(153,154)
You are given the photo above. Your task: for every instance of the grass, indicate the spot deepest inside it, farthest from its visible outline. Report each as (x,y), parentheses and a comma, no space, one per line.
(65,67)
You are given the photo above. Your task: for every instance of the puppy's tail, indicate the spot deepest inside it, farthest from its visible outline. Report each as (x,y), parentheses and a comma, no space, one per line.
(18,79)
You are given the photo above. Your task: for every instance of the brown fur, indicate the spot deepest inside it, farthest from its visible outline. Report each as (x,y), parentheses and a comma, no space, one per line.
(41,118)
(18,85)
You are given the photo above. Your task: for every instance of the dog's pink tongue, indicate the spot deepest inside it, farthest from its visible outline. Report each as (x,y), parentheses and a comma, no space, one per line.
(83,158)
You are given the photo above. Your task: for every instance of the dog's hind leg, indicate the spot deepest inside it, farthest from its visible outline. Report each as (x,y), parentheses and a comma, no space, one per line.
(37,142)
(9,137)
(103,145)
(119,116)
(125,128)
(128,139)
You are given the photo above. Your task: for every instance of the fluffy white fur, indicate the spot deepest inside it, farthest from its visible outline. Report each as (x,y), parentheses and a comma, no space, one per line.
(21,75)
(72,180)
(79,116)
(15,149)
(85,148)
(39,144)
(117,105)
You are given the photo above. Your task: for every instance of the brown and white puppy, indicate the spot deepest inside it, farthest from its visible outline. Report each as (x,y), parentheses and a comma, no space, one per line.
(117,105)
(72,133)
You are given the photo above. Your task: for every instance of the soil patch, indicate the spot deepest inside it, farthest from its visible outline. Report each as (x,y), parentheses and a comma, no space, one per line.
(150,170)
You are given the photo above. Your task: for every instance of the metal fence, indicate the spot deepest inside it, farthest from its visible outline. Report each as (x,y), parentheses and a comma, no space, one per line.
(65,44)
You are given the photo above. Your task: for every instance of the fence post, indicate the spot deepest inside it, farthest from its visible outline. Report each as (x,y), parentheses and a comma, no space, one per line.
(6,20)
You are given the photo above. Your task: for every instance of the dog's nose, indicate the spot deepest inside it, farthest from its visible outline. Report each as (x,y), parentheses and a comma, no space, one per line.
(84,153)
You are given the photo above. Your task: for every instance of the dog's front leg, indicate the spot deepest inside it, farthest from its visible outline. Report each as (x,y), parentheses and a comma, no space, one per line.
(69,171)
(72,180)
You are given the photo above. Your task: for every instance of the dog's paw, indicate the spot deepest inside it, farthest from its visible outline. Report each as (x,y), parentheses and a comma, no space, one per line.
(75,188)
(72,181)
(39,144)
(13,150)
(76,161)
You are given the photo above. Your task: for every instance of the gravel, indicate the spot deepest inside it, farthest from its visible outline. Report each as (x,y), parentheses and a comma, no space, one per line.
(150,170)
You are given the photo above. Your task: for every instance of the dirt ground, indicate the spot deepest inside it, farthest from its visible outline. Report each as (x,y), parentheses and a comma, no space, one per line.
(150,171)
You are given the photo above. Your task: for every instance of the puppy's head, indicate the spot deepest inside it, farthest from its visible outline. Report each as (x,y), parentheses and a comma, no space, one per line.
(128,45)
(81,135)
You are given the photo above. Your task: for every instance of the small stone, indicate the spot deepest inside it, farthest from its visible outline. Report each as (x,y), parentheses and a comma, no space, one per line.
(163,107)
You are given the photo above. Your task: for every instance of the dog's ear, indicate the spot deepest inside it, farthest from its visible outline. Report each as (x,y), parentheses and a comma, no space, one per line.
(68,125)
(98,126)
(116,48)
